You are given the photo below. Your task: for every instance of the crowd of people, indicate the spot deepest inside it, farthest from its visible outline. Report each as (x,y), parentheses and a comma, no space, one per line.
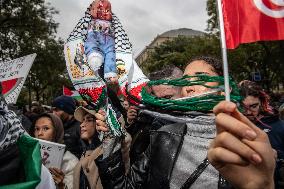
(231,146)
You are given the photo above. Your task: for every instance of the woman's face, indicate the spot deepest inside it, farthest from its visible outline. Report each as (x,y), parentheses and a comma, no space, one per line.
(198,67)
(44,129)
(88,127)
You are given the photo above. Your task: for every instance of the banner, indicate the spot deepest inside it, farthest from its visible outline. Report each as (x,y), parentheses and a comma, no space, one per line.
(13,74)
(130,77)
(247,21)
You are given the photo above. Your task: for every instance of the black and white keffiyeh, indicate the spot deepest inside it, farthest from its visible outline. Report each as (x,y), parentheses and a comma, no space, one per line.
(122,43)
(10,126)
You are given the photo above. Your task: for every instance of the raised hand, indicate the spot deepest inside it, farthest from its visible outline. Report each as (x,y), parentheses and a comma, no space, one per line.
(131,114)
(241,152)
(101,121)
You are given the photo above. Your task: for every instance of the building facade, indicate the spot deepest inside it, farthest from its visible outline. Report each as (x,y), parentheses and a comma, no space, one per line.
(169,35)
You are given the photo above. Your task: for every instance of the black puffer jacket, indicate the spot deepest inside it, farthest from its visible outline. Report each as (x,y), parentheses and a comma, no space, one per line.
(72,137)
(153,169)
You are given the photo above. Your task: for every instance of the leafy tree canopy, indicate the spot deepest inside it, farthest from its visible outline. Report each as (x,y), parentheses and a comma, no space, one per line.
(28,27)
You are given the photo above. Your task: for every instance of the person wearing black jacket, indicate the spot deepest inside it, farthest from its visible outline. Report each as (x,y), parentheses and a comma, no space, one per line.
(178,155)
(64,107)
(258,110)
(139,123)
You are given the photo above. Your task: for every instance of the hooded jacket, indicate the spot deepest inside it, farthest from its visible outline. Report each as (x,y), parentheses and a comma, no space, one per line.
(69,160)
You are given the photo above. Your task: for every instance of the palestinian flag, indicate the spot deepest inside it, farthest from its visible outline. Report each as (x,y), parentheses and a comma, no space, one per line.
(30,156)
(73,93)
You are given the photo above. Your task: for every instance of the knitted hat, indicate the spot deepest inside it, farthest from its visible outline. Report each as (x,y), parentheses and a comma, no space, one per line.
(65,103)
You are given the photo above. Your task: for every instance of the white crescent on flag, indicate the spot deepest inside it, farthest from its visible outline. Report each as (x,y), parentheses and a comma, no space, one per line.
(275,13)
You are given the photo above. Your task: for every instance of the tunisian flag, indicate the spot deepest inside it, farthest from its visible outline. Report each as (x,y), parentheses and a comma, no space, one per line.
(248,21)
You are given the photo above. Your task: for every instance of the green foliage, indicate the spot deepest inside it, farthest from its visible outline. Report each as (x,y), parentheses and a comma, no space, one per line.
(264,57)
(267,58)
(27,27)
(180,50)
(212,24)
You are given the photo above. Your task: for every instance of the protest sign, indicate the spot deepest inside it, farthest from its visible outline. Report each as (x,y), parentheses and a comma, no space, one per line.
(51,153)
(13,74)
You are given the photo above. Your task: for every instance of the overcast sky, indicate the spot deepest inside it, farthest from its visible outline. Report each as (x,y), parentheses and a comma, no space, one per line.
(142,20)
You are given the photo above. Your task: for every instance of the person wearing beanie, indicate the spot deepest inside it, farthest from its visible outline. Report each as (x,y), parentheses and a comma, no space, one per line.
(64,107)
(49,127)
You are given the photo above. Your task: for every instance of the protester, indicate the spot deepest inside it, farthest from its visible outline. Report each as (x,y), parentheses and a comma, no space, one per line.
(177,152)
(86,173)
(49,127)
(64,107)
(258,110)
(139,126)
(160,91)
(26,123)
(17,152)
(166,91)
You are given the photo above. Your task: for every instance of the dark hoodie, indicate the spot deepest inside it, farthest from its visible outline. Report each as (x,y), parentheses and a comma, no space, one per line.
(274,128)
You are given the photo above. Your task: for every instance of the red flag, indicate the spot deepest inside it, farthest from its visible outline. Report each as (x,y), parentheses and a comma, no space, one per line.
(248,21)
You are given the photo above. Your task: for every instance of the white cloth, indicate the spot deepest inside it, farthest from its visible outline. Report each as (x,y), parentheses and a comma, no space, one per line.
(68,164)
(46,179)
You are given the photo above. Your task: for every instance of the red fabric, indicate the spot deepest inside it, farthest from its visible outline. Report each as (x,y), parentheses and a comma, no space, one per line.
(94,93)
(245,23)
(67,91)
(8,85)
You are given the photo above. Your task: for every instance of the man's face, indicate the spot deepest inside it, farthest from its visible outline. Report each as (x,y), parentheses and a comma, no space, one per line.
(198,67)
(166,91)
(252,107)
(60,113)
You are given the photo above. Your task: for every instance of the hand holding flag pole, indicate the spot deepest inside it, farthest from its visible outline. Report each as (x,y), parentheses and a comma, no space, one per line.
(224,51)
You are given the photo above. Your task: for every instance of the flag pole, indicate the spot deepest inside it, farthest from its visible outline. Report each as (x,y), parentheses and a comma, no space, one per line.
(224,51)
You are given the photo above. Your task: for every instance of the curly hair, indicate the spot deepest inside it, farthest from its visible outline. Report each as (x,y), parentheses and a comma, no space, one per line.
(250,88)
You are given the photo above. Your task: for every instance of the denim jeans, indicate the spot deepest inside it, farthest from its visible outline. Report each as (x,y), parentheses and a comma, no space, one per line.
(102,43)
